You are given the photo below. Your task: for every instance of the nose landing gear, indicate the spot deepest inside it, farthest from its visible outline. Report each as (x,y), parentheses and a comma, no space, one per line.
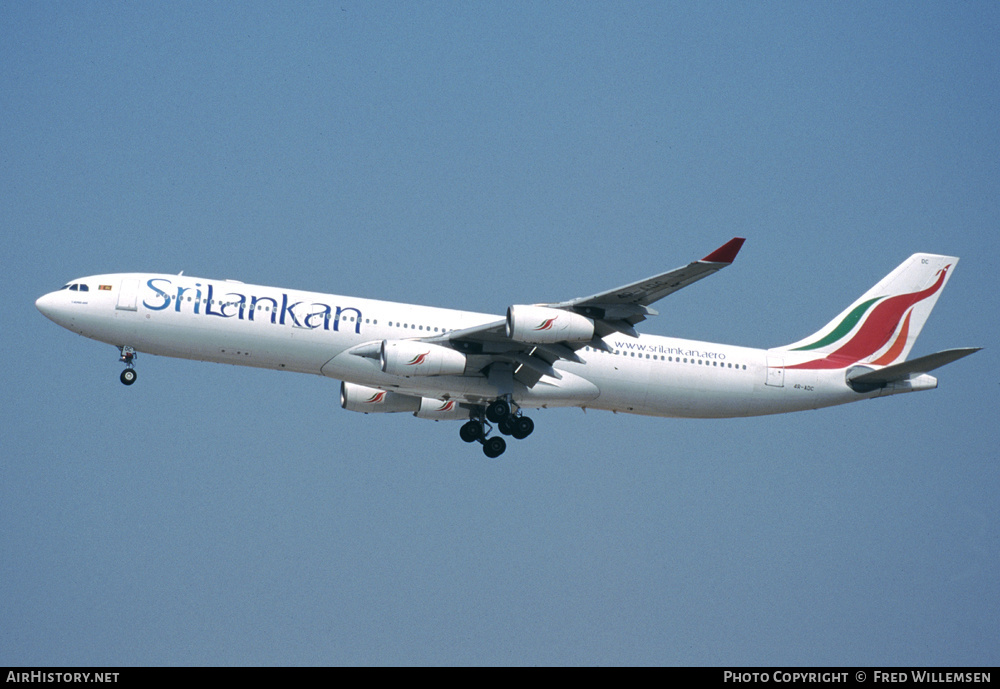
(128,357)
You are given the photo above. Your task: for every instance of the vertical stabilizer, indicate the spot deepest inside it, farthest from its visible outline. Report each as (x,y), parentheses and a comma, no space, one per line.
(881,326)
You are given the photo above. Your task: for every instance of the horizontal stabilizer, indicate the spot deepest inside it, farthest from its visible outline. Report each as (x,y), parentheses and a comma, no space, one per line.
(924,364)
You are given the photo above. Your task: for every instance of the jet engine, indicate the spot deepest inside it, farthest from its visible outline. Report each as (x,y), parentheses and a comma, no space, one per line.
(542,325)
(368,400)
(442,410)
(414,358)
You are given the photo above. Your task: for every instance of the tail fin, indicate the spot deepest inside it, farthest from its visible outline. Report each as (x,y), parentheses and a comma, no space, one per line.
(880,327)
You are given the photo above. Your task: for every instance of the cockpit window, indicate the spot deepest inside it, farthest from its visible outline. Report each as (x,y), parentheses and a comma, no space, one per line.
(75,287)
(84,288)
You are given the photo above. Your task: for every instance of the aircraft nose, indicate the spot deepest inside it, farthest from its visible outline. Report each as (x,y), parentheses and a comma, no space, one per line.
(48,305)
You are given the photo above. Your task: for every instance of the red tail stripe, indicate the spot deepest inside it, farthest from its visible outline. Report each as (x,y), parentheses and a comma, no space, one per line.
(876,330)
(897,347)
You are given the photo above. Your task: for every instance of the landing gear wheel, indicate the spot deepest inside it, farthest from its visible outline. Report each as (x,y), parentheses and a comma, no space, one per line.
(128,376)
(494,447)
(498,411)
(523,426)
(507,425)
(471,431)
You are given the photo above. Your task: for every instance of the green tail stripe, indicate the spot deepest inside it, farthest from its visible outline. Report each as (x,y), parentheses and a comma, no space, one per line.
(845,326)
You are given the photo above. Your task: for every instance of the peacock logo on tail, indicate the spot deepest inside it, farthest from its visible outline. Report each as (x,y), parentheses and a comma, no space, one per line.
(880,318)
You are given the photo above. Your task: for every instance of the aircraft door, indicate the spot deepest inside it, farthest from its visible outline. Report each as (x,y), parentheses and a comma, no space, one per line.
(128,295)
(775,372)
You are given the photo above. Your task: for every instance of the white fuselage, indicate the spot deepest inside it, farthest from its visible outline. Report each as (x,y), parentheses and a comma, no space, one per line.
(307,332)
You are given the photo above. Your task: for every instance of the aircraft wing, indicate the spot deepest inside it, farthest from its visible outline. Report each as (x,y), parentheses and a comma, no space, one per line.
(630,302)
(616,310)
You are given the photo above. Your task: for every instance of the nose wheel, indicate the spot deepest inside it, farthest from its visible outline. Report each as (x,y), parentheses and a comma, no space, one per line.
(128,357)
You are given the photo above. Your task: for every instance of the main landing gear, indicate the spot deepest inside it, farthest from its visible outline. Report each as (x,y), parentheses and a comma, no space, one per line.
(128,357)
(508,422)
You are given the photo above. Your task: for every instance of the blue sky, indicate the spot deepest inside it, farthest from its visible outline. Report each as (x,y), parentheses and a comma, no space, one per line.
(475,155)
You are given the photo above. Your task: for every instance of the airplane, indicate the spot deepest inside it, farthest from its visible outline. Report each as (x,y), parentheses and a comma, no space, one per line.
(483,369)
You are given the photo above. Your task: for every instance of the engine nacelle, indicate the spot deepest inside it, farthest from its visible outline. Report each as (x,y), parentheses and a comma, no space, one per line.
(441,410)
(354,397)
(414,358)
(542,325)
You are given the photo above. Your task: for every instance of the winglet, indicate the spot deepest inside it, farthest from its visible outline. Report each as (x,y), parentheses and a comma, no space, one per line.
(727,252)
